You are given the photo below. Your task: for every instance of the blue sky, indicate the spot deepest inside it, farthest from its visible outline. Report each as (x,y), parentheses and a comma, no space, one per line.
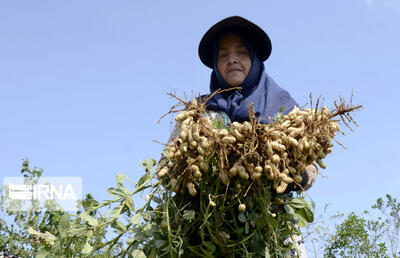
(83,83)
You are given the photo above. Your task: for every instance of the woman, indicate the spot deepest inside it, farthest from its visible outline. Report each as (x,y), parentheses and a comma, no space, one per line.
(235,50)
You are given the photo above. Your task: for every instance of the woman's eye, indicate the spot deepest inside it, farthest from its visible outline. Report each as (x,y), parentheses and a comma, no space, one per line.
(223,55)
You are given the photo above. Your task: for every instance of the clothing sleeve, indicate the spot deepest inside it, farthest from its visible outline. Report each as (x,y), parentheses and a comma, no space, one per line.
(173,136)
(218,118)
(175,133)
(309,176)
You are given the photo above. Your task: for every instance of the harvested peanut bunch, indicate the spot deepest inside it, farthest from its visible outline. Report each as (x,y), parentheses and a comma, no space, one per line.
(250,151)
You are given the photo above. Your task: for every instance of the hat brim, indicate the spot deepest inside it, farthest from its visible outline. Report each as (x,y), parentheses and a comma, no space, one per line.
(254,34)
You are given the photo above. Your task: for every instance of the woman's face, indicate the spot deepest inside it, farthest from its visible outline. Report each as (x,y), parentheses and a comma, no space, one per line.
(234,61)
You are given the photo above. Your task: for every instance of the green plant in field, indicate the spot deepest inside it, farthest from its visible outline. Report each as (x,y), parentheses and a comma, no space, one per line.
(352,240)
(98,228)
(368,235)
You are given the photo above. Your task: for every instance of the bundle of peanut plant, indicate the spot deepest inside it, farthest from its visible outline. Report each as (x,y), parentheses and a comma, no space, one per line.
(225,186)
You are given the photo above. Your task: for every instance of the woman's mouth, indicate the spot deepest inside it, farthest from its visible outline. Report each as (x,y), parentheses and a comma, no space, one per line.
(234,70)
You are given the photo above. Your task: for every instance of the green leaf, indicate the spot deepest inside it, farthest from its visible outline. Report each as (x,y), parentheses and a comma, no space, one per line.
(129,203)
(143,180)
(242,217)
(266,255)
(165,152)
(287,217)
(87,248)
(148,215)
(115,193)
(307,214)
(123,190)
(272,221)
(42,253)
(120,178)
(148,164)
(239,231)
(156,199)
(138,254)
(64,222)
(31,231)
(254,217)
(159,243)
(300,221)
(119,226)
(188,214)
(153,252)
(206,253)
(116,211)
(135,220)
(216,123)
(89,219)
(212,248)
(139,236)
(150,229)
(288,209)
(78,232)
(298,203)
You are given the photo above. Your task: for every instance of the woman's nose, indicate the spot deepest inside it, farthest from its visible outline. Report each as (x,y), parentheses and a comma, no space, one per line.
(232,59)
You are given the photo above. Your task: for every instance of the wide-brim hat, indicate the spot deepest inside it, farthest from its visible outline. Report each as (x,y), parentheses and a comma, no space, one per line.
(254,34)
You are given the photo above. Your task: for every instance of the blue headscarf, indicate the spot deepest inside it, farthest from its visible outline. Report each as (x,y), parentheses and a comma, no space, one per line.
(267,97)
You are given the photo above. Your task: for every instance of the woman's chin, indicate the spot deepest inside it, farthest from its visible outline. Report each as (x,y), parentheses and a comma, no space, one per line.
(235,82)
